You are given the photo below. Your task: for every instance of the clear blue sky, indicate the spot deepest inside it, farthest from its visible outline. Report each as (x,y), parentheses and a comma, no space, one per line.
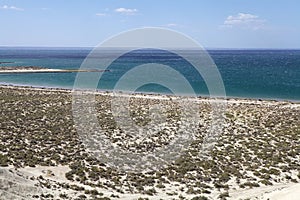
(213,23)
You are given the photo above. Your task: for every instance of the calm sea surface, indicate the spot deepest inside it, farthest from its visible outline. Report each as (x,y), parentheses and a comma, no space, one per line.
(269,74)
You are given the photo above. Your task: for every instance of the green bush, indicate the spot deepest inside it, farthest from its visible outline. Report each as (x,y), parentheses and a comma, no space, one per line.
(150,192)
(223,195)
(266,182)
(249,184)
(199,198)
(3,160)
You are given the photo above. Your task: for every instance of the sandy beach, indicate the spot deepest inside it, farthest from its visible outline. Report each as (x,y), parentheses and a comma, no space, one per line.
(42,156)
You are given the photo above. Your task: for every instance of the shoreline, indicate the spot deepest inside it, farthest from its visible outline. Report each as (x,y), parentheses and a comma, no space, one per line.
(146,94)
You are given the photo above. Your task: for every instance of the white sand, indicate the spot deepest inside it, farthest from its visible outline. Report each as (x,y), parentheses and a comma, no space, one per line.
(289,191)
(284,103)
(30,70)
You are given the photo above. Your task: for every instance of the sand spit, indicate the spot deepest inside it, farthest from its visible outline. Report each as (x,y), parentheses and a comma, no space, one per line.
(37,69)
(42,156)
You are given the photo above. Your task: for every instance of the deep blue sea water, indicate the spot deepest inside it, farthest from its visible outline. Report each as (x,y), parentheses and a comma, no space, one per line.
(267,74)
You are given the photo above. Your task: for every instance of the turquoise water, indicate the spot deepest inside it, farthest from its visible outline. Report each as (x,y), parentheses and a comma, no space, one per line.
(270,74)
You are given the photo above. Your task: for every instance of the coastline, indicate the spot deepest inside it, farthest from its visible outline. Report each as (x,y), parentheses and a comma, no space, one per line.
(145,94)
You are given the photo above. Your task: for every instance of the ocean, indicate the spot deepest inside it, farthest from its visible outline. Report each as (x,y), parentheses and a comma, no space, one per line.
(265,74)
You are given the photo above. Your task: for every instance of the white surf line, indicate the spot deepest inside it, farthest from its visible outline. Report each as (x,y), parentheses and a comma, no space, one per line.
(283,103)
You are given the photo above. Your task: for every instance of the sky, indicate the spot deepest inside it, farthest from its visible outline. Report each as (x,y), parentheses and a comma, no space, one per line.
(212,23)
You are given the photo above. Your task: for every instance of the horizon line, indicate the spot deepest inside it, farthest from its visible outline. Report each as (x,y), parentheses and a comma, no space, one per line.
(206,48)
